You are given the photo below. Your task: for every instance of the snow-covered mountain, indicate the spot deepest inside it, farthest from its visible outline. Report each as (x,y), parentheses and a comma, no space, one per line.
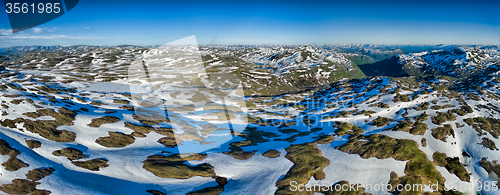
(249,120)
(460,61)
(284,60)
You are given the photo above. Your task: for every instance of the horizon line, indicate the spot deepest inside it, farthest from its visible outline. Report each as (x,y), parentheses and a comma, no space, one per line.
(235,44)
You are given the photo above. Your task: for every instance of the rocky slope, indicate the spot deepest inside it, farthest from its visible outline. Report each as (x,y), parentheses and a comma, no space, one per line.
(248,120)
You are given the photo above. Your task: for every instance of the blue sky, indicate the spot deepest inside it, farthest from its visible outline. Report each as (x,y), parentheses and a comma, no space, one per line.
(153,22)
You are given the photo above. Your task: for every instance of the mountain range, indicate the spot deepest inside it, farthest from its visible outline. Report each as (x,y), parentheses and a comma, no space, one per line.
(243,119)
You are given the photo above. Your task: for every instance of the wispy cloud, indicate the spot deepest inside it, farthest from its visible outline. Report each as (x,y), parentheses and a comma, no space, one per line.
(37,30)
(46,37)
(87,27)
(5,32)
(52,29)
